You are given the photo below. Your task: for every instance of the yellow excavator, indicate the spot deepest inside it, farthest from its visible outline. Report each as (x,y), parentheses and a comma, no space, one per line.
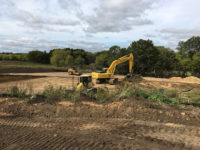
(85,82)
(107,75)
(73,71)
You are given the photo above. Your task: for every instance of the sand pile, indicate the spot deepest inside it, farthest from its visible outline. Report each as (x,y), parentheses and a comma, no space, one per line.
(187,79)
(192,79)
(176,79)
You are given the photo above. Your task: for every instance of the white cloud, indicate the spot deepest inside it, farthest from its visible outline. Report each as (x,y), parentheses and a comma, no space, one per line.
(81,21)
(182,33)
(27,44)
(116,16)
(87,45)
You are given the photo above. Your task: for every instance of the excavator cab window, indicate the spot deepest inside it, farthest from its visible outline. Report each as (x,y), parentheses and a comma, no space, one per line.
(102,71)
(85,80)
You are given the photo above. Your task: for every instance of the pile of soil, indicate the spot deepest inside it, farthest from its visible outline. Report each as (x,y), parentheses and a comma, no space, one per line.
(192,79)
(187,79)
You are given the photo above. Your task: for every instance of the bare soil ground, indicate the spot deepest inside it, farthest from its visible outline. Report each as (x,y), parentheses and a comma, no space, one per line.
(130,124)
(133,124)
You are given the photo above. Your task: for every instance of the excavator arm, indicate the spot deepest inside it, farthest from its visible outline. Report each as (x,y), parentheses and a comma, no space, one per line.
(112,67)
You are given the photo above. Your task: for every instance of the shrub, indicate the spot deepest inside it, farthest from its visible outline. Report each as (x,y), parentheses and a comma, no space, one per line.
(102,94)
(15,91)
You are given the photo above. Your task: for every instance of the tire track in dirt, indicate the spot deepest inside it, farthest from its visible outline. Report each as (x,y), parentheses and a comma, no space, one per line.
(39,140)
(181,136)
(175,134)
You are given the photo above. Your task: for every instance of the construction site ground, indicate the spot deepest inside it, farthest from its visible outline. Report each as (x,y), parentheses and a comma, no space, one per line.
(128,124)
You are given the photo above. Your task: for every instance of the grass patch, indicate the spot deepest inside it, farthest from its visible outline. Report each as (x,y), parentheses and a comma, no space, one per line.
(22,64)
(15,91)
(52,95)
(156,95)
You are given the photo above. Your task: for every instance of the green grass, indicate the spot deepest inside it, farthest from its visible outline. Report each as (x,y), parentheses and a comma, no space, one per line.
(15,91)
(21,64)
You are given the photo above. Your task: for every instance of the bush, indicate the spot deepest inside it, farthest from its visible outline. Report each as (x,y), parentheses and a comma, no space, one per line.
(53,95)
(15,91)
(102,94)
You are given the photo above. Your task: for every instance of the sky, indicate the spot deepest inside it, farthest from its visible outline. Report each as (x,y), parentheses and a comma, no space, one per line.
(95,25)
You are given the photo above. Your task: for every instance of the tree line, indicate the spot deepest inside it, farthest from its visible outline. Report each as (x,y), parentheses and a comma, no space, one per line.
(148,59)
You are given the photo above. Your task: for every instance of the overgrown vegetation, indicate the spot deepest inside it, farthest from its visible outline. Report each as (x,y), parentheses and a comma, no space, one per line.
(15,91)
(123,91)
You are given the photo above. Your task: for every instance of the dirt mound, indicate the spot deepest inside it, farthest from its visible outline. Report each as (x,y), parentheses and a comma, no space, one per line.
(187,79)
(176,79)
(192,79)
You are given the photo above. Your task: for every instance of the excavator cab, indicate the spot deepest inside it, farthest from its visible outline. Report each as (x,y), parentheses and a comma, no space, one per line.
(85,81)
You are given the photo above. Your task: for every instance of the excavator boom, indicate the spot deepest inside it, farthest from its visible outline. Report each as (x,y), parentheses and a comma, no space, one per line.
(112,67)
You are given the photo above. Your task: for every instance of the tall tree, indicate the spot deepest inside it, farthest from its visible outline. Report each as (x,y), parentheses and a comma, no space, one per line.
(189,47)
(58,57)
(166,63)
(146,56)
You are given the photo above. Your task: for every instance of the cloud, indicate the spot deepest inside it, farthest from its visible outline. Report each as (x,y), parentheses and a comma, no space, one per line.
(70,5)
(87,45)
(36,20)
(116,16)
(182,33)
(27,44)
(166,22)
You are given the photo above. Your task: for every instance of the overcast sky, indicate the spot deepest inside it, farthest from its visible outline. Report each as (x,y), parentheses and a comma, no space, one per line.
(95,24)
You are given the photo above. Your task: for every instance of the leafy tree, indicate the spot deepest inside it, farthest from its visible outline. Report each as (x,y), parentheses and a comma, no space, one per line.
(89,58)
(186,64)
(146,56)
(58,57)
(79,61)
(38,56)
(166,62)
(189,47)
(196,63)
(101,60)
(69,60)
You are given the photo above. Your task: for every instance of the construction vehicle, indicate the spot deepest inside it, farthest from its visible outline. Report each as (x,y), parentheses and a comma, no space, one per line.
(73,71)
(107,75)
(85,82)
